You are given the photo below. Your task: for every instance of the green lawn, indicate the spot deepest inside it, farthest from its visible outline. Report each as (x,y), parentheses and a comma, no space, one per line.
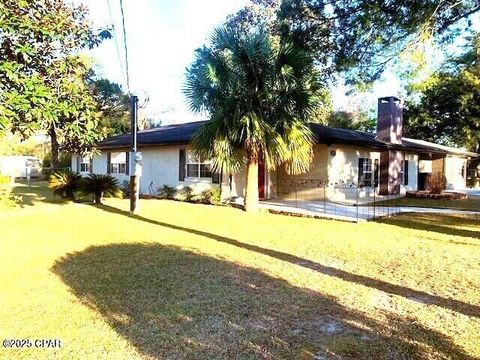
(472,203)
(186,281)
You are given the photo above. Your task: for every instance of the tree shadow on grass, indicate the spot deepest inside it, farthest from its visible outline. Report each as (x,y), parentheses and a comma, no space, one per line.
(444,224)
(411,294)
(36,192)
(172,303)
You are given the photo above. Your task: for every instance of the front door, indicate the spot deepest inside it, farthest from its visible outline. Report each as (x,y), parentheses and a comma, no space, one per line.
(261,178)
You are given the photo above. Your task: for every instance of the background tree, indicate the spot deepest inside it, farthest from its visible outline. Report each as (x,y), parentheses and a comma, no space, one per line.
(356,114)
(113,105)
(350,120)
(42,75)
(360,38)
(259,96)
(446,107)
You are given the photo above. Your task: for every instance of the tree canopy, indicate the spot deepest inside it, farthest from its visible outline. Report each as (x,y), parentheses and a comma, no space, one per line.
(42,74)
(359,38)
(446,107)
(113,104)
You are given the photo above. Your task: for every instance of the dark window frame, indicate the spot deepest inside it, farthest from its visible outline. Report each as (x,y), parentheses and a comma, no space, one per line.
(85,165)
(365,172)
(118,167)
(198,169)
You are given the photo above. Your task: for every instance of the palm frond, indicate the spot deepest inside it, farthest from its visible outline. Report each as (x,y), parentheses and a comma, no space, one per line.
(65,183)
(259,97)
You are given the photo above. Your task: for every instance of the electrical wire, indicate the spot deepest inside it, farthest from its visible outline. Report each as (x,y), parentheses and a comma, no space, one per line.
(125,46)
(116,44)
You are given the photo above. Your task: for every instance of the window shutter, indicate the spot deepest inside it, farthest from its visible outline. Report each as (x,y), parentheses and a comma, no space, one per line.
(108,162)
(182,164)
(91,164)
(360,171)
(215,178)
(405,172)
(79,159)
(127,164)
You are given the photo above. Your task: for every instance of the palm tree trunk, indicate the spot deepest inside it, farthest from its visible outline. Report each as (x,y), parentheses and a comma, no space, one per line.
(98,197)
(251,192)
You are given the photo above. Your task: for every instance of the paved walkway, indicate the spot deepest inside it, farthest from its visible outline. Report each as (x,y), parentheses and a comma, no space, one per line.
(348,212)
(469,192)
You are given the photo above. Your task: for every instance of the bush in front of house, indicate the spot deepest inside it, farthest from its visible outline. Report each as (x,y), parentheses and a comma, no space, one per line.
(166,192)
(65,183)
(101,186)
(211,196)
(187,194)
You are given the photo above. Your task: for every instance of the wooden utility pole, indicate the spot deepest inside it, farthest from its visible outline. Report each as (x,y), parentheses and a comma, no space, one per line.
(134,176)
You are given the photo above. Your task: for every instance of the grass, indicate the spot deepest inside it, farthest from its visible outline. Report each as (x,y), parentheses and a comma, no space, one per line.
(187,281)
(472,203)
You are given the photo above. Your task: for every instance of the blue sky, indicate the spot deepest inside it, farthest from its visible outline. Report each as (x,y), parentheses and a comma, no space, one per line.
(162,36)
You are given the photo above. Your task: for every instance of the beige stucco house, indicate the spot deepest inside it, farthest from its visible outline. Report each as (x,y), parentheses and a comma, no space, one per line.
(385,162)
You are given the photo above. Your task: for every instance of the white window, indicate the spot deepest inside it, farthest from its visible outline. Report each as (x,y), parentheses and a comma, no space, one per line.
(365,172)
(85,164)
(197,167)
(118,163)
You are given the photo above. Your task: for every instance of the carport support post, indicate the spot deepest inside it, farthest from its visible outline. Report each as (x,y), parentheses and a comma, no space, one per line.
(133,175)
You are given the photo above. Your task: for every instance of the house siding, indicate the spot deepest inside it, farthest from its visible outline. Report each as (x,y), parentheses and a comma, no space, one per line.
(412,185)
(334,165)
(307,185)
(343,166)
(160,167)
(454,176)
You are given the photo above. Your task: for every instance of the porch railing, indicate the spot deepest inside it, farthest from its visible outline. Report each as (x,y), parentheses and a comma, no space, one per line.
(337,200)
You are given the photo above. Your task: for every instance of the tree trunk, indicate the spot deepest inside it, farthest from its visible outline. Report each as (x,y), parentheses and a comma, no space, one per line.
(54,147)
(251,192)
(98,198)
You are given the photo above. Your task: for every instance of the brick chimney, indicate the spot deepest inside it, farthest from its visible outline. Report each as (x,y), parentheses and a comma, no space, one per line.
(390,120)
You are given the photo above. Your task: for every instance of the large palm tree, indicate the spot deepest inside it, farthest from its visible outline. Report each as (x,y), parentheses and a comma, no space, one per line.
(259,93)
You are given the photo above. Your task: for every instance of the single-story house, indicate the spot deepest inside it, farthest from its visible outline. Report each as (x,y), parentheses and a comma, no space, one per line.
(385,162)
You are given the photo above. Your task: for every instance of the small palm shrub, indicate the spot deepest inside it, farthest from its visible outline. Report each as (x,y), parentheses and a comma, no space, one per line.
(100,186)
(187,194)
(166,192)
(65,183)
(211,196)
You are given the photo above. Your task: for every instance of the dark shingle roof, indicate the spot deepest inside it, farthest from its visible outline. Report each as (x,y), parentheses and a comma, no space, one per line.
(179,134)
(163,135)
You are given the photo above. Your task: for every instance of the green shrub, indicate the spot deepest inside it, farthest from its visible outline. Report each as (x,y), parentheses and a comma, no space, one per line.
(211,196)
(187,194)
(7,199)
(167,192)
(100,186)
(65,183)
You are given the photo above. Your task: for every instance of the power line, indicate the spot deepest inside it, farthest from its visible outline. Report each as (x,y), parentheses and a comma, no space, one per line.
(116,44)
(125,45)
